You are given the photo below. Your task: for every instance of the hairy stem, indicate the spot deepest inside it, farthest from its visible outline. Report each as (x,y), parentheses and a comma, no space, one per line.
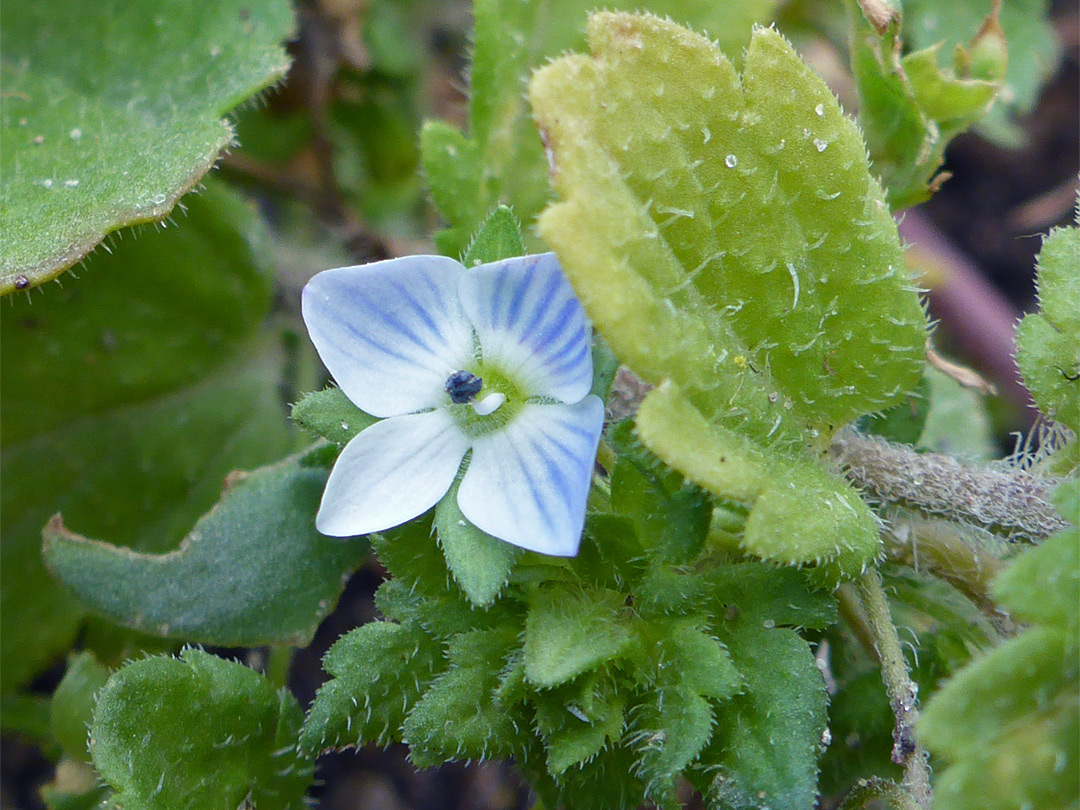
(874,789)
(902,691)
(1002,499)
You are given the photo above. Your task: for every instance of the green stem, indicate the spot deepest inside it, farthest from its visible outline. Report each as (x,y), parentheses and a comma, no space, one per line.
(874,790)
(278,661)
(902,691)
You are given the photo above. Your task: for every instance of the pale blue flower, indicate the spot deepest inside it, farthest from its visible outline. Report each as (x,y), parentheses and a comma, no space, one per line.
(406,340)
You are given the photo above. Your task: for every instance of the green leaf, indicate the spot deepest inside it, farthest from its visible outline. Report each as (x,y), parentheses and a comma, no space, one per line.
(98,138)
(769,596)
(909,109)
(765,748)
(330,414)
(481,564)
(685,668)
(670,734)
(499,237)
(411,554)
(160,313)
(128,397)
(807,515)
(799,512)
(605,366)
(671,514)
(1009,727)
(1033,50)
(1041,586)
(691,657)
(198,732)
(423,590)
(579,719)
(957,421)
(73,701)
(722,461)
(602,783)
(570,630)
(252,571)
(668,591)
(460,717)
(502,160)
(378,673)
(1048,343)
(739,247)
(903,423)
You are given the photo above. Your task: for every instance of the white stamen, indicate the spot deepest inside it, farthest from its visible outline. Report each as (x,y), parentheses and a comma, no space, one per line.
(489,404)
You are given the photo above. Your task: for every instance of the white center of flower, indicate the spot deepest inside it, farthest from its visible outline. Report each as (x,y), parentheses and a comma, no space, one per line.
(489,404)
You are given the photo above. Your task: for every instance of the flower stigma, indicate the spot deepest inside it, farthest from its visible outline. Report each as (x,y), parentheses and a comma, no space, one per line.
(463,386)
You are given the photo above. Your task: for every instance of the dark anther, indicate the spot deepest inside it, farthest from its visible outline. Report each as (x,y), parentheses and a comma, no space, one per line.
(463,386)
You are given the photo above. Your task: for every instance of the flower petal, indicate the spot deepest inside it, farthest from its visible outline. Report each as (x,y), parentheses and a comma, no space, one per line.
(391,332)
(531,325)
(527,484)
(393,471)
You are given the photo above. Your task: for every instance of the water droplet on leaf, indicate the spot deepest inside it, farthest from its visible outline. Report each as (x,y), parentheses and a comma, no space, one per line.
(731,161)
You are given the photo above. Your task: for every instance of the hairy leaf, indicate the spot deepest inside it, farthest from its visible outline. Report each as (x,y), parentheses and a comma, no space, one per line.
(909,108)
(570,630)
(579,719)
(498,237)
(724,231)
(198,732)
(501,159)
(1048,343)
(1008,725)
(765,748)
(460,716)
(330,414)
(481,564)
(98,138)
(378,673)
(252,571)
(669,734)
(769,596)
(128,397)
(799,512)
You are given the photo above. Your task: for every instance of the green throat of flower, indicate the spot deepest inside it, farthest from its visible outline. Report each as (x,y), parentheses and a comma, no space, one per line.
(494,382)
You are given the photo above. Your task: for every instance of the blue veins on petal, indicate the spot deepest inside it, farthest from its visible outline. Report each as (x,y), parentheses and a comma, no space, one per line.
(531,325)
(390,353)
(391,472)
(530,480)
(399,337)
